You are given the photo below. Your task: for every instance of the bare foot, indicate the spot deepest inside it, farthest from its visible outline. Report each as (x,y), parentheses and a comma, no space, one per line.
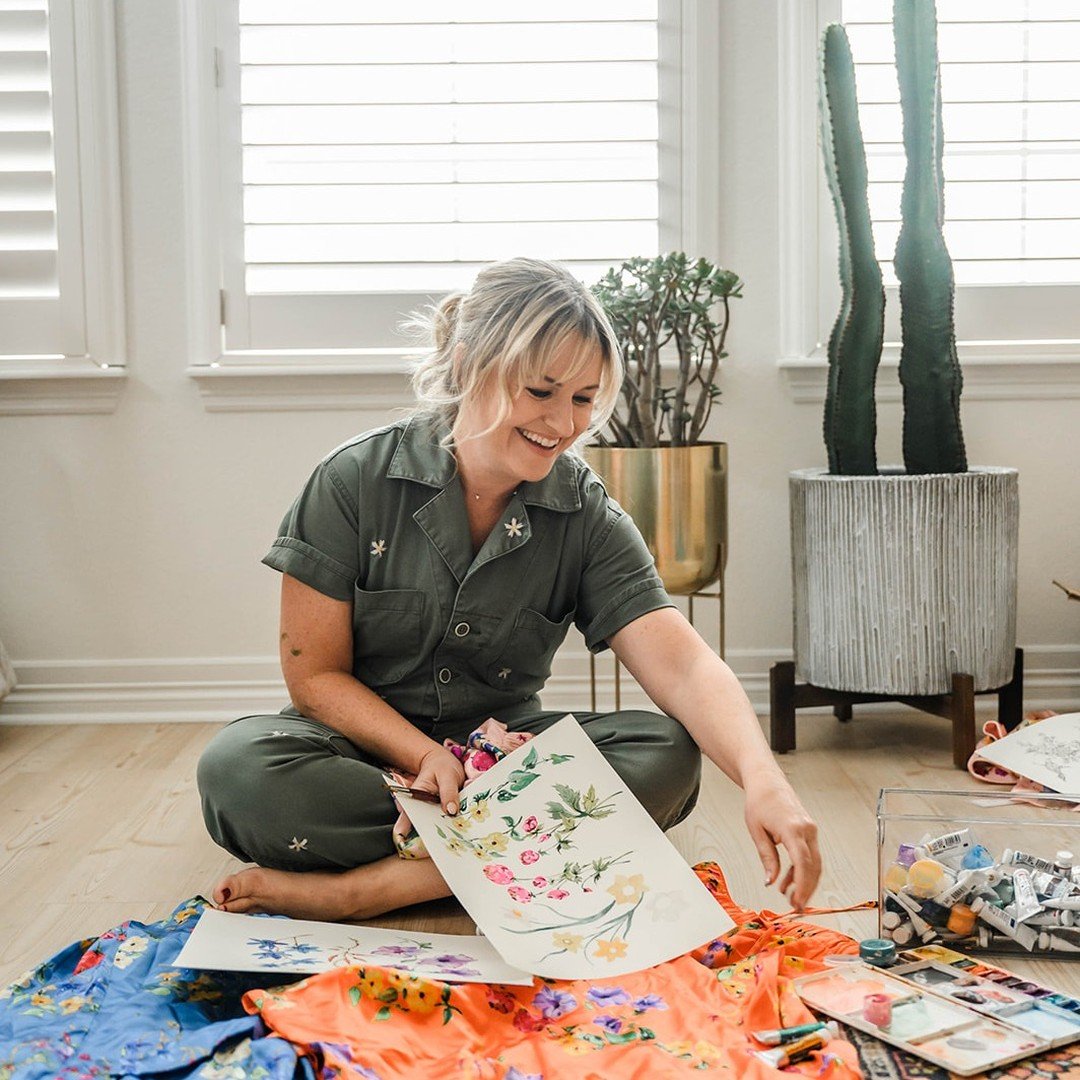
(332,897)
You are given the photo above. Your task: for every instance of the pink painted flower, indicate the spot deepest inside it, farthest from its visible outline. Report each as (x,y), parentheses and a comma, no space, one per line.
(522,896)
(540,882)
(546,836)
(481,760)
(558,894)
(501,875)
(530,856)
(530,824)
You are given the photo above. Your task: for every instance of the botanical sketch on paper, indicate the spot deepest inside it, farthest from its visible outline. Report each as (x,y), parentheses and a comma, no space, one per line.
(1047,752)
(229,942)
(563,869)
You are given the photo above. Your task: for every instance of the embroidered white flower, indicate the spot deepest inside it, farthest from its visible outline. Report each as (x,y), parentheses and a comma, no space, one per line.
(279,733)
(378,547)
(512,527)
(129,950)
(298,845)
(503,672)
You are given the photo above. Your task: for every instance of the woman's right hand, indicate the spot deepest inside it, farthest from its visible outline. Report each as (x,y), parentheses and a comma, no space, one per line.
(442,774)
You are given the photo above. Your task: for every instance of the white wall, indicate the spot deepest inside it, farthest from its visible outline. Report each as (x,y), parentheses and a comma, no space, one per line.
(130,582)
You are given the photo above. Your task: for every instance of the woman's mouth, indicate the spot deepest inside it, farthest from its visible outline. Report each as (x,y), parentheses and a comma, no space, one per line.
(540,443)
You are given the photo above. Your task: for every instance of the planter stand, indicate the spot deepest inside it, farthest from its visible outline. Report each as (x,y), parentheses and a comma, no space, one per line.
(786,696)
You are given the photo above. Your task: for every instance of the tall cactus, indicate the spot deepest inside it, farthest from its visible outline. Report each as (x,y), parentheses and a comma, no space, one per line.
(929,368)
(855,341)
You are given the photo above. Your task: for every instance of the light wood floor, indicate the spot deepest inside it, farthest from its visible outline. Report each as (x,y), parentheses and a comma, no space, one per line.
(101,823)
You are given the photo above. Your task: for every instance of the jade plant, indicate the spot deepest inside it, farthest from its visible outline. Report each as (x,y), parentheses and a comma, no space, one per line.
(667,303)
(929,368)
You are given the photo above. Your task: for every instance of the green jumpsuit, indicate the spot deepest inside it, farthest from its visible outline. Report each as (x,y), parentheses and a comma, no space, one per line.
(446,638)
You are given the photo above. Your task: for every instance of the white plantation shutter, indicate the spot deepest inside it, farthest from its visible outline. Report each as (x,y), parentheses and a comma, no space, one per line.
(41,286)
(382,154)
(1010,82)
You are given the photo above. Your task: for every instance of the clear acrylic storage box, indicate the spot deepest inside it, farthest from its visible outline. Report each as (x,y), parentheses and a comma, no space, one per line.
(980,871)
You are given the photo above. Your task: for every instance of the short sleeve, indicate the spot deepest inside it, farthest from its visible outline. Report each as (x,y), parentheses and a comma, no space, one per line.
(317,542)
(619,582)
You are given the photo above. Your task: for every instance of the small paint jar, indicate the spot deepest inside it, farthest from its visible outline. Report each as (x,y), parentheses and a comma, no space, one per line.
(878,952)
(877,1009)
(926,878)
(961,920)
(896,877)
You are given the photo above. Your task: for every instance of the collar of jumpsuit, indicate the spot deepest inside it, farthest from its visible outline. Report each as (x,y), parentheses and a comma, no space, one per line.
(420,457)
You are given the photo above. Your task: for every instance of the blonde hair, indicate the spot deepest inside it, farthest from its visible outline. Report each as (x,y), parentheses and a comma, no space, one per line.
(501,336)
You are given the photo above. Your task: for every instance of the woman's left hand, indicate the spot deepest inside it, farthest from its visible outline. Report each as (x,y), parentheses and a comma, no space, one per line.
(774,816)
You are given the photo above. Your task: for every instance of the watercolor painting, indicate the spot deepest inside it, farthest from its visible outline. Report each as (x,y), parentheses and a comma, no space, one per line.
(226,942)
(563,869)
(1047,752)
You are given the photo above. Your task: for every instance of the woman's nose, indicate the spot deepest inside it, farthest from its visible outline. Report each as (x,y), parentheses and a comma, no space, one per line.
(560,418)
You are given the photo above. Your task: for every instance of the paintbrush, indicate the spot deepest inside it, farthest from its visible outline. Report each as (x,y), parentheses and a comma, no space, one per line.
(416,793)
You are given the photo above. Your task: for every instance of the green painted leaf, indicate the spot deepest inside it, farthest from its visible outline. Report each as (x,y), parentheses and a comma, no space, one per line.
(505,796)
(519,779)
(389,995)
(530,759)
(354,995)
(559,759)
(383,1013)
(646,1033)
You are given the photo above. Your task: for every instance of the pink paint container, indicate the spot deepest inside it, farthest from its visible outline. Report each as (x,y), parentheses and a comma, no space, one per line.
(877,1009)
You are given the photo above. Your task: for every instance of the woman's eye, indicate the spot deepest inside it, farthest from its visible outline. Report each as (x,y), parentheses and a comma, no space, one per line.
(583,401)
(541,394)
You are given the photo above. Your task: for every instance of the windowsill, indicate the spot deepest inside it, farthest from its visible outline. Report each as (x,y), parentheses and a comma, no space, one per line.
(993,371)
(73,385)
(365,379)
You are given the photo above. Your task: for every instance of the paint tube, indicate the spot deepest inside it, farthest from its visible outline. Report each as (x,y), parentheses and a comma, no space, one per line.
(918,923)
(781,1056)
(1057,943)
(1025,902)
(1051,917)
(783,1036)
(1005,924)
(968,882)
(949,848)
(1030,862)
(1051,886)
(1069,903)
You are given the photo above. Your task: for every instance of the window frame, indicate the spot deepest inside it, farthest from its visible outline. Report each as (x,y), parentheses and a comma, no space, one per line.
(809,291)
(85,105)
(288,379)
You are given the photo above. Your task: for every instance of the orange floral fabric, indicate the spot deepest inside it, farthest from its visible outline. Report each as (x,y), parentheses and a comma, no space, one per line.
(668,1021)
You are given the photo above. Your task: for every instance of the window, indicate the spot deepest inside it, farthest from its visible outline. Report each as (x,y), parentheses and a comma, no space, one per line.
(1010,85)
(1011,118)
(371,158)
(60,252)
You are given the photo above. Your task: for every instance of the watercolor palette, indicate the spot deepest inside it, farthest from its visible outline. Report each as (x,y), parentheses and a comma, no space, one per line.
(951,1013)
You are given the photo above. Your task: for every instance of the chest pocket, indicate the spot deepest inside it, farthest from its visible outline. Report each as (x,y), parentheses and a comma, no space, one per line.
(524,663)
(387,634)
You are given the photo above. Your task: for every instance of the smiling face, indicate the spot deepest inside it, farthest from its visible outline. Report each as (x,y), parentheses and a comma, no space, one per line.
(547,416)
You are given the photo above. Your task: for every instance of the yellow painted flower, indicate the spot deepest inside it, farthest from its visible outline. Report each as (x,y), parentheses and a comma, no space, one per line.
(421,997)
(570,942)
(627,890)
(463,823)
(456,846)
(481,852)
(495,841)
(610,950)
(706,1051)
(481,811)
(73,1004)
(42,1001)
(575,1046)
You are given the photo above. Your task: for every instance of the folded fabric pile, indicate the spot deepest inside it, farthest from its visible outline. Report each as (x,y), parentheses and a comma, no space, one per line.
(114,1007)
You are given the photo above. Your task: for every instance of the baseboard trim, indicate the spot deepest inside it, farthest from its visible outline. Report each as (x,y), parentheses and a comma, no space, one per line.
(218,689)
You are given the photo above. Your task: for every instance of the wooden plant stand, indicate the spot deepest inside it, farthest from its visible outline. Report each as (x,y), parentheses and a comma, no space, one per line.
(786,696)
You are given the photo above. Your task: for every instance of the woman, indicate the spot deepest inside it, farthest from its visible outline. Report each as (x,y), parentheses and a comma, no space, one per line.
(431,569)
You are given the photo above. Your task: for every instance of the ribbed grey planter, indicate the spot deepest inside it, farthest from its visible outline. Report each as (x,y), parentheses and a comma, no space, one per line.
(900,581)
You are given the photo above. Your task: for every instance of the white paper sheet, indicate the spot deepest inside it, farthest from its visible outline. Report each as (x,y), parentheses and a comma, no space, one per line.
(563,869)
(1047,752)
(227,942)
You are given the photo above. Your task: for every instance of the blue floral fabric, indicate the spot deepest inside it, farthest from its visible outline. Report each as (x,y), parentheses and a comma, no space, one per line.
(115,1007)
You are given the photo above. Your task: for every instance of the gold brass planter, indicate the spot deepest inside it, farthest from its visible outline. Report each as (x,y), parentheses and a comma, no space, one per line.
(677,496)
